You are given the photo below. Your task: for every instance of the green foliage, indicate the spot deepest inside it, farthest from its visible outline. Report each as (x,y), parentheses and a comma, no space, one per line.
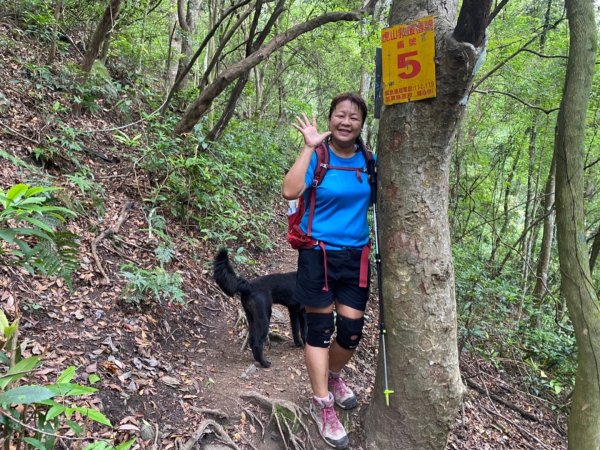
(494,318)
(98,89)
(92,190)
(228,187)
(38,19)
(18,162)
(143,285)
(36,414)
(29,224)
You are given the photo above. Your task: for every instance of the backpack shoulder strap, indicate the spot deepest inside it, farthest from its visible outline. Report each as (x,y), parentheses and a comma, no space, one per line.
(320,171)
(371,171)
(322,163)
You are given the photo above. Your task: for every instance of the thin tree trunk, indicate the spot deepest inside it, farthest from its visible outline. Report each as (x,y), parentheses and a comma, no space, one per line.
(543,264)
(415,144)
(577,286)
(105,26)
(595,250)
(530,202)
(203,45)
(171,63)
(499,234)
(58,5)
(187,22)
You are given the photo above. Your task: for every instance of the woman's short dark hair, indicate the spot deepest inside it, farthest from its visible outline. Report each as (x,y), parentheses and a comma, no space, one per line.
(354,98)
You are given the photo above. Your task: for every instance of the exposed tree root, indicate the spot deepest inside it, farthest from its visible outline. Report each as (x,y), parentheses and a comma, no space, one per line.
(201,431)
(288,418)
(107,233)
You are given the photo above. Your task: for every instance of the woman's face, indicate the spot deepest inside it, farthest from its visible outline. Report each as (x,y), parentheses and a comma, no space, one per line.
(345,123)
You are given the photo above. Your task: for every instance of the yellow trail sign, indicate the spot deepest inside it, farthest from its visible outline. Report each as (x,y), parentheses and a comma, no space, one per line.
(408,66)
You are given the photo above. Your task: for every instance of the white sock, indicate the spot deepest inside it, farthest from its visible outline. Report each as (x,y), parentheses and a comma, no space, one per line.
(323,399)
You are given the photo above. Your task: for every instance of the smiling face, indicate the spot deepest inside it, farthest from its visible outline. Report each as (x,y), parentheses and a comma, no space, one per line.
(345,124)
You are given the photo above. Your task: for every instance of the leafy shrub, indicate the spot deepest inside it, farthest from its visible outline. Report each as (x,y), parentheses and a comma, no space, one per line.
(226,187)
(156,282)
(38,20)
(92,190)
(29,224)
(494,316)
(97,89)
(34,414)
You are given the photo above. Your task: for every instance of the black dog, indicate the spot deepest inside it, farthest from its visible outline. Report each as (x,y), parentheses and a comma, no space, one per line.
(258,296)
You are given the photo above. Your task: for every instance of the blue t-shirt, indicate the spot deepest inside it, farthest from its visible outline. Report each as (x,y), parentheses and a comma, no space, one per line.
(342,202)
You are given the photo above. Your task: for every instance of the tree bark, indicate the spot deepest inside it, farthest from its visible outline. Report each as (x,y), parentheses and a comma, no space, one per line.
(58,6)
(187,22)
(203,103)
(104,27)
(543,264)
(576,282)
(595,250)
(415,144)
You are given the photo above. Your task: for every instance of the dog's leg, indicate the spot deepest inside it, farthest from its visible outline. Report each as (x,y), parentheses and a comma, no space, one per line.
(258,336)
(296,325)
(303,325)
(258,312)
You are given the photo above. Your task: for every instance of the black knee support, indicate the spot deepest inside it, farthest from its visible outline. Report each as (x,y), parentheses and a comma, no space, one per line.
(348,332)
(320,329)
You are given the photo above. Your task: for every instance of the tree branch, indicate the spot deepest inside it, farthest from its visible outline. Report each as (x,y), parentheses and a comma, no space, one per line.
(544,56)
(203,103)
(473,21)
(496,11)
(522,49)
(513,96)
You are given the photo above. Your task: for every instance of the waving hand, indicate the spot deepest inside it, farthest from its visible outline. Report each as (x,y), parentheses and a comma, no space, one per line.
(312,137)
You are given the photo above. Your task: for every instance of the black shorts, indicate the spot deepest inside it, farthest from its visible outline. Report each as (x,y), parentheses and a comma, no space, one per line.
(343,271)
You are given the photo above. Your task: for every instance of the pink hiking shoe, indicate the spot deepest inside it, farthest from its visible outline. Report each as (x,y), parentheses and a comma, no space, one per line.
(324,415)
(343,395)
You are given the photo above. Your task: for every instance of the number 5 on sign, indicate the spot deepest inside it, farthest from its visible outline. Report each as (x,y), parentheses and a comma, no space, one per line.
(408,52)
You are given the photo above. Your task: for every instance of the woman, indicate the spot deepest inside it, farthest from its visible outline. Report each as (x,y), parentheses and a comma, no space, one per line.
(328,275)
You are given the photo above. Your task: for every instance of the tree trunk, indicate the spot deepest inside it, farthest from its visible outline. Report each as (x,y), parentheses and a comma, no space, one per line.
(254,42)
(58,6)
(595,250)
(203,45)
(171,63)
(576,283)
(415,143)
(533,179)
(541,274)
(203,103)
(105,26)
(187,22)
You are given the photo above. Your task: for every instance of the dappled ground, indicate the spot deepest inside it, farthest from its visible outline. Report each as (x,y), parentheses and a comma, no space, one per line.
(167,371)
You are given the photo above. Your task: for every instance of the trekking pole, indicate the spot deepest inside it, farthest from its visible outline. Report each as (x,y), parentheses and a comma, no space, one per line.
(372,170)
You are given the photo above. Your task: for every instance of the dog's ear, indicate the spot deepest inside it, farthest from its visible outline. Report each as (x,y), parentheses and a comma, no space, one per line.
(223,253)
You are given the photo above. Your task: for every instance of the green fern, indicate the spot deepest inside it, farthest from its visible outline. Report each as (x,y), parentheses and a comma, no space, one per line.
(58,256)
(164,254)
(157,283)
(29,226)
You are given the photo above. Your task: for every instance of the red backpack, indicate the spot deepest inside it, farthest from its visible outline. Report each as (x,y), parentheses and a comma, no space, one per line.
(298,238)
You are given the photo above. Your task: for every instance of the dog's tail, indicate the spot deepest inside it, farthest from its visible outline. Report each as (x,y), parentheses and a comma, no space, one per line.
(226,277)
